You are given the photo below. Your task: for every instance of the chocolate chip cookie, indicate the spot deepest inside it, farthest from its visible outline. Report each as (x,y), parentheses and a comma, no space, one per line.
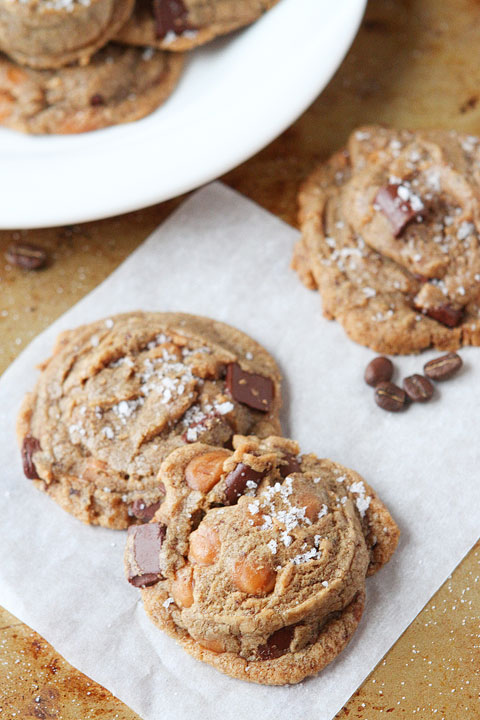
(46,34)
(118,395)
(185,24)
(256,560)
(390,237)
(118,85)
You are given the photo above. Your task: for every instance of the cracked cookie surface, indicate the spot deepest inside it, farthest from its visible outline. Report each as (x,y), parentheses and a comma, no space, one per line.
(118,395)
(390,237)
(185,24)
(256,560)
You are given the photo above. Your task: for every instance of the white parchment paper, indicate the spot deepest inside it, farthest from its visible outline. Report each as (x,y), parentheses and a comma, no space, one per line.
(221,255)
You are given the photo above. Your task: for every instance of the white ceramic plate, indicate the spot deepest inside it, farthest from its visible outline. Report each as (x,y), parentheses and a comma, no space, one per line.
(234,97)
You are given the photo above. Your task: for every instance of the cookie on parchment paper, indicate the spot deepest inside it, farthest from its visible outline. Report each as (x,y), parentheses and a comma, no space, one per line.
(256,561)
(390,237)
(118,395)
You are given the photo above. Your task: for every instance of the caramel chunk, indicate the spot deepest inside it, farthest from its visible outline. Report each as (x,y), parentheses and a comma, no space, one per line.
(204,546)
(204,471)
(253,576)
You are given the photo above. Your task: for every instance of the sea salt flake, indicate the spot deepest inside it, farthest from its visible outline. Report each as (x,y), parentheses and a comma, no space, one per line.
(286,538)
(272,546)
(168,602)
(305,557)
(224,408)
(464,230)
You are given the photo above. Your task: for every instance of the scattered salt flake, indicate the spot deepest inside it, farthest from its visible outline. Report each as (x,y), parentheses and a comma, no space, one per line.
(253,508)
(267,522)
(108,432)
(168,602)
(464,230)
(324,583)
(305,557)
(192,434)
(363,503)
(224,408)
(369,292)
(322,512)
(109,323)
(148,53)
(272,546)
(249,355)
(286,538)
(94,340)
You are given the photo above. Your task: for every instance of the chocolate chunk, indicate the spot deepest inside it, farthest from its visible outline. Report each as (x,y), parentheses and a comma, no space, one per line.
(418,388)
(236,481)
(30,445)
(251,389)
(143,557)
(378,370)
(142,511)
(277,644)
(291,465)
(390,397)
(26,256)
(445,314)
(398,211)
(97,100)
(170,16)
(444,367)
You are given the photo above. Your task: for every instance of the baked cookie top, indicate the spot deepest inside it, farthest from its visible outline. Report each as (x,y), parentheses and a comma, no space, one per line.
(49,34)
(185,24)
(257,558)
(391,239)
(119,394)
(118,85)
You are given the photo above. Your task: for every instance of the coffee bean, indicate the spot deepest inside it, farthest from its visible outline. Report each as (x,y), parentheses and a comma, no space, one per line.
(30,445)
(390,397)
(418,388)
(26,256)
(236,481)
(444,367)
(378,370)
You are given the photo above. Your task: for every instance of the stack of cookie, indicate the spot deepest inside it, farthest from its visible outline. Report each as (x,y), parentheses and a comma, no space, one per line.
(391,239)
(252,557)
(72,66)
